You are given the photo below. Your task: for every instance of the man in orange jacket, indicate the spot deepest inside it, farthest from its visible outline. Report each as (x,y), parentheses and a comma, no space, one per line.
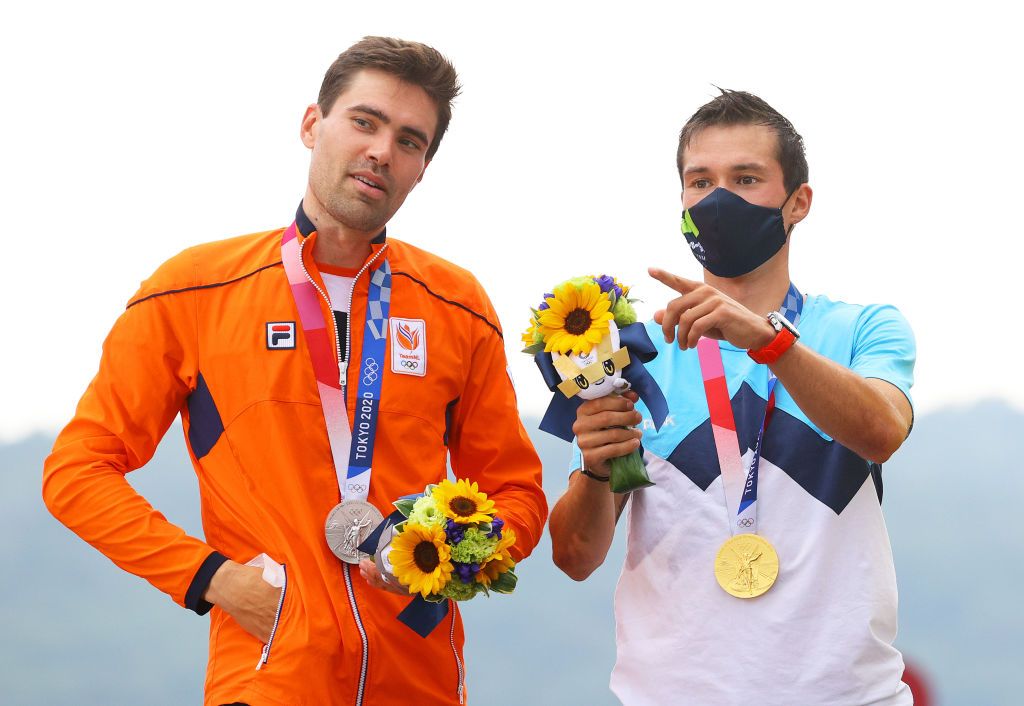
(321,372)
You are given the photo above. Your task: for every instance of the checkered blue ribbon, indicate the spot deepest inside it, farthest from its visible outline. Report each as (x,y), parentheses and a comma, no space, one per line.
(792,305)
(379,301)
(371,376)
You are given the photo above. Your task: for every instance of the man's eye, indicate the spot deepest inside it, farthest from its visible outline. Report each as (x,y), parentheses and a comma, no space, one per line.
(362,122)
(582,382)
(701,183)
(411,144)
(747,180)
(609,367)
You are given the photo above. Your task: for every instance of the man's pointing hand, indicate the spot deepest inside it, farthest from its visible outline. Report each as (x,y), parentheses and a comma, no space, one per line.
(702,310)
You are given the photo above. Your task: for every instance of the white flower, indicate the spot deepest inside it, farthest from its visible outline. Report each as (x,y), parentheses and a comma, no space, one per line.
(425,512)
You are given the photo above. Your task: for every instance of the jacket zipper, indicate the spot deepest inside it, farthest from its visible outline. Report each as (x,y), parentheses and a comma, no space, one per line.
(362,635)
(265,657)
(342,380)
(342,362)
(458,662)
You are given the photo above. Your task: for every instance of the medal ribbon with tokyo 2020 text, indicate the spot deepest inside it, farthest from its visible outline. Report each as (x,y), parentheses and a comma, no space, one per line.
(355,484)
(740,487)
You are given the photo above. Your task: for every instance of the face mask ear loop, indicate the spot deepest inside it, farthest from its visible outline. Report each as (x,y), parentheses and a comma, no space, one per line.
(788,197)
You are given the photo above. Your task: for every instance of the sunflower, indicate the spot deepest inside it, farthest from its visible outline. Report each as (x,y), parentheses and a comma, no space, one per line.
(532,335)
(462,501)
(577,318)
(499,562)
(421,559)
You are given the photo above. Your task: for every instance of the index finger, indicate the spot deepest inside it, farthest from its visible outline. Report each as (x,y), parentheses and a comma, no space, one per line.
(680,284)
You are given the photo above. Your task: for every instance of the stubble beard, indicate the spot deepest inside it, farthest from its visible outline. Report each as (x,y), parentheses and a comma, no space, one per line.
(348,207)
(355,213)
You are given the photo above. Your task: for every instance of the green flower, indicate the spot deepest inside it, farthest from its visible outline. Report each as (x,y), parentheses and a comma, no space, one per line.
(474,547)
(425,512)
(623,312)
(458,591)
(578,282)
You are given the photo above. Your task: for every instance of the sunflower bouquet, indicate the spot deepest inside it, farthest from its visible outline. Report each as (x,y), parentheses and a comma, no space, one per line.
(451,544)
(585,339)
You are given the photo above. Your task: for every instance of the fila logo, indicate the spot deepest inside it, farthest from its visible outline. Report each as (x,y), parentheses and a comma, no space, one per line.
(408,346)
(280,335)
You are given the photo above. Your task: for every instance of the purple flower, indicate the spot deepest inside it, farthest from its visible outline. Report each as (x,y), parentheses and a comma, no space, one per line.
(454,531)
(544,304)
(465,572)
(496,524)
(606,283)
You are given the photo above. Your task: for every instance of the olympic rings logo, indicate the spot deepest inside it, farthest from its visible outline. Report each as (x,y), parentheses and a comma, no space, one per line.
(411,364)
(746,522)
(356,487)
(370,372)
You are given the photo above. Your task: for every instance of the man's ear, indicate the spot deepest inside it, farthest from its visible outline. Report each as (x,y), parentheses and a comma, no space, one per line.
(310,125)
(799,204)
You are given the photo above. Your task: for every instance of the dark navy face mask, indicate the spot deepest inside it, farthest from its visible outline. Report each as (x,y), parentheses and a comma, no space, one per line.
(730,236)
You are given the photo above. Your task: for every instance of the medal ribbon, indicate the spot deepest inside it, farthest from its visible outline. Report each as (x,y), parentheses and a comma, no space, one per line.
(356,483)
(740,487)
(371,376)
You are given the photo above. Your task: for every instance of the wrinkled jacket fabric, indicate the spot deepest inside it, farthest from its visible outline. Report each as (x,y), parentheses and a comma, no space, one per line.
(193,342)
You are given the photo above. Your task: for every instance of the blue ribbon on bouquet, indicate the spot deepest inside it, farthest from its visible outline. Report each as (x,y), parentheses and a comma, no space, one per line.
(421,616)
(561,412)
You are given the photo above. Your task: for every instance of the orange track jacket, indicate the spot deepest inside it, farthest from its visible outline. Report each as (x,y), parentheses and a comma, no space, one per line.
(193,341)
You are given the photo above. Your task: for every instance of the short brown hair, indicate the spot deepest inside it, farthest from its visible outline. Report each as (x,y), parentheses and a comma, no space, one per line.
(412,62)
(742,108)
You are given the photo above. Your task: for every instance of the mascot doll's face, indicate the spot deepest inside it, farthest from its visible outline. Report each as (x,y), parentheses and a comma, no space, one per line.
(596,374)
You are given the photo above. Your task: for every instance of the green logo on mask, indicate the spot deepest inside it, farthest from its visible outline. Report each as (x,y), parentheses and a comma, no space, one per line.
(687,226)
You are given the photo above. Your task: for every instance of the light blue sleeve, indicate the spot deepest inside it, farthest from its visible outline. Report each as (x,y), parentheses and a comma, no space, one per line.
(577,457)
(884,347)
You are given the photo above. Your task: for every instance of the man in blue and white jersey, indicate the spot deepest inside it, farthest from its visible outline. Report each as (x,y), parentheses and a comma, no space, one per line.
(758,567)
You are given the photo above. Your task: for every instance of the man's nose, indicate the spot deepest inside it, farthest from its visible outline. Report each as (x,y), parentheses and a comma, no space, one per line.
(379,149)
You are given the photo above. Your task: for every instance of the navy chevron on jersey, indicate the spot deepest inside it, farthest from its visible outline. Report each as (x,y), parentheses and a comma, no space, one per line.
(824,633)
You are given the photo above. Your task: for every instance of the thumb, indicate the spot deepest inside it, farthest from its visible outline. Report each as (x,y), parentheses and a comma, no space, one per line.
(659,316)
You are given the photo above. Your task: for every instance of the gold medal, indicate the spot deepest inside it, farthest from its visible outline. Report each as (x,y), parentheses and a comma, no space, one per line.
(746,565)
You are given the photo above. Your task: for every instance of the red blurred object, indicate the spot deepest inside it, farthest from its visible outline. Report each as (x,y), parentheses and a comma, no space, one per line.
(919,686)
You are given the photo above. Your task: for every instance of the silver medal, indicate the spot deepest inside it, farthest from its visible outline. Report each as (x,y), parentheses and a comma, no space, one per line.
(348,525)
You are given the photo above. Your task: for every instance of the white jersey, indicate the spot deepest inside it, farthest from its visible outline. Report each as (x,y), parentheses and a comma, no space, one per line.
(822,635)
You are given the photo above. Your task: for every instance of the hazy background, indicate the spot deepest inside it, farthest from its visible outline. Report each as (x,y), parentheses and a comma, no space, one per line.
(78,630)
(133,130)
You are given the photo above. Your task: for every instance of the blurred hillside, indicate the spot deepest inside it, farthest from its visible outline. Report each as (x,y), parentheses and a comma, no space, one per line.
(80,631)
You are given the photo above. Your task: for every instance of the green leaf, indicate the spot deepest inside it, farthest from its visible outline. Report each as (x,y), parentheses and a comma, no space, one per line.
(534,349)
(435,598)
(404,506)
(505,583)
(628,473)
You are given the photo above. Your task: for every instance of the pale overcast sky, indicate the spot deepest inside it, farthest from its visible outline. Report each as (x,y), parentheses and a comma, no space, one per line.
(131,131)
